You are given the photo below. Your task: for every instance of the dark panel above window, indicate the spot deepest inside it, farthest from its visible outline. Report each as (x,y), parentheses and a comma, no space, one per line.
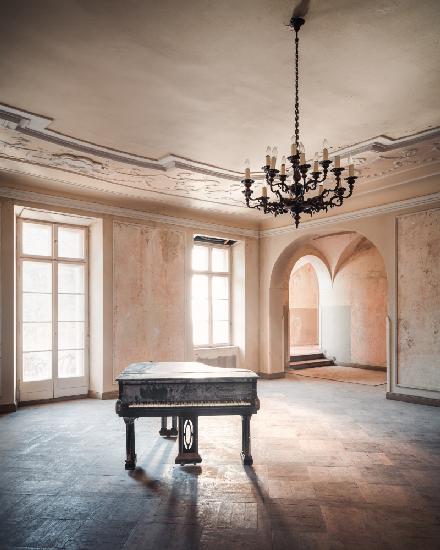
(213,240)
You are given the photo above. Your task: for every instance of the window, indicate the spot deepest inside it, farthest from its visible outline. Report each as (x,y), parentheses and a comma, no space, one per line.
(210,295)
(52,304)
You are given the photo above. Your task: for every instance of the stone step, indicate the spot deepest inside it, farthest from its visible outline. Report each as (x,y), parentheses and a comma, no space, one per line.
(306,364)
(308,356)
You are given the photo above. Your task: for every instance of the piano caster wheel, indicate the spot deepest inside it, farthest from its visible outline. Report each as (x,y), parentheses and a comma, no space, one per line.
(247,459)
(130,465)
(168,432)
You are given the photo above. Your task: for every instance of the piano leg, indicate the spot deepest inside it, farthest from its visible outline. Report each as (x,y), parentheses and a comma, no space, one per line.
(246,456)
(164,431)
(163,428)
(130,444)
(188,440)
(173,430)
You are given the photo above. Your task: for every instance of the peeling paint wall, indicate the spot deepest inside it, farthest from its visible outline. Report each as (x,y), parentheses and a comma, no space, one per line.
(418,299)
(149,294)
(303,306)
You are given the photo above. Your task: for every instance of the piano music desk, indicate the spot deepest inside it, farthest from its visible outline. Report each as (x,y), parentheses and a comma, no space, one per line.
(185,390)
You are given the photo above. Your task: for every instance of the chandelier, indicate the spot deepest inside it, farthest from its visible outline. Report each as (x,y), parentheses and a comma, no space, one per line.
(299,190)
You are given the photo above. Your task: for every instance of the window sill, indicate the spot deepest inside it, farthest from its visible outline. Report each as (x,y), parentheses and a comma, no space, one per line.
(215,351)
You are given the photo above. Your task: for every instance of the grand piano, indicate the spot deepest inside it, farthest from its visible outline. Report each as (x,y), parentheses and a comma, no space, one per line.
(185,391)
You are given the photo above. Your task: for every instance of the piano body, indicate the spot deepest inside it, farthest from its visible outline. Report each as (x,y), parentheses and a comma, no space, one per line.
(185,391)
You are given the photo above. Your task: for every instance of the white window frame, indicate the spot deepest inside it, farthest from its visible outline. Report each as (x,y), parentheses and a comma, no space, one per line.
(55,387)
(210,273)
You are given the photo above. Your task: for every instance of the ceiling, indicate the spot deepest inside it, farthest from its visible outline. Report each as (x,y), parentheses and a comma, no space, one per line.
(210,80)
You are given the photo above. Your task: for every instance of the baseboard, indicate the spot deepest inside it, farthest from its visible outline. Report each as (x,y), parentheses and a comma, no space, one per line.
(358,366)
(415,399)
(8,408)
(52,400)
(271,375)
(103,395)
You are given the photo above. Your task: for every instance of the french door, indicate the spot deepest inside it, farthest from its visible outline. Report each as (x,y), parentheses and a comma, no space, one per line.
(52,332)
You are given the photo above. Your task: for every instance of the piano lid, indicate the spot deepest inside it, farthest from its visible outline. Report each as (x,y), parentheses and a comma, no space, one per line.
(185,371)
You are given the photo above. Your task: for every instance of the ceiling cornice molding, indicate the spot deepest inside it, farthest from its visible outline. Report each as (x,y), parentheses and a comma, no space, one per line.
(357,214)
(38,126)
(385,143)
(99,208)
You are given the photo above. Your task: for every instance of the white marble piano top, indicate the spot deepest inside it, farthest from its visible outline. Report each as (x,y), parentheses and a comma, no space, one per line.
(186,371)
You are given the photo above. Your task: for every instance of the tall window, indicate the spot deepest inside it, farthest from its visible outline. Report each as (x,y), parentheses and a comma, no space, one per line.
(210,295)
(52,275)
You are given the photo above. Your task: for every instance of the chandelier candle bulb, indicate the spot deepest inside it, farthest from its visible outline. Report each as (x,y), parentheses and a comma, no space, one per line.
(337,161)
(320,188)
(325,150)
(247,170)
(293,146)
(274,157)
(268,153)
(315,163)
(264,191)
(283,166)
(302,156)
(350,166)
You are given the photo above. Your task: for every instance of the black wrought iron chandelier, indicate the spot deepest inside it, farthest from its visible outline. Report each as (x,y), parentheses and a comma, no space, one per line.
(299,190)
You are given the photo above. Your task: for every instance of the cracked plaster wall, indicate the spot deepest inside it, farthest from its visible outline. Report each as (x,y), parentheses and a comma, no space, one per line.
(418,298)
(149,294)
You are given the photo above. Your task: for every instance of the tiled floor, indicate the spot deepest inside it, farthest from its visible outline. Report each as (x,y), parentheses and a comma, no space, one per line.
(336,466)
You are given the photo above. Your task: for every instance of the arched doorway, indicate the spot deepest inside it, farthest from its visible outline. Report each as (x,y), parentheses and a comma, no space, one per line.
(303,308)
(352,304)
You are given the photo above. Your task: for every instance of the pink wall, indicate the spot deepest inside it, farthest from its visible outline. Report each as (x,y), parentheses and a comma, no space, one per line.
(361,284)
(304,299)
(148,294)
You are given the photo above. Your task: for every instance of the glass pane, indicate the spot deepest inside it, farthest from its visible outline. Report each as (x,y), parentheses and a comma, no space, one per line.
(220,332)
(219,259)
(37,336)
(220,310)
(71,307)
(70,335)
(199,286)
(200,333)
(37,366)
(70,242)
(37,239)
(200,258)
(200,310)
(70,278)
(220,288)
(70,363)
(37,277)
(37,307)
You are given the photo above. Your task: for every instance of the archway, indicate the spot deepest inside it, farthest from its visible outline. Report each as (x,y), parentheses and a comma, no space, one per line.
(309,283)
(353,300)
(303,308)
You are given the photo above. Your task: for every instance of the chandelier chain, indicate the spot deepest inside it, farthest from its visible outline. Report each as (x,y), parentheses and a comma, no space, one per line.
(296,90)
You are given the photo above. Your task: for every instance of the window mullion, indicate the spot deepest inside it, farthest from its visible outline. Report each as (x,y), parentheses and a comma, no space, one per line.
(55,304)
(210,295)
